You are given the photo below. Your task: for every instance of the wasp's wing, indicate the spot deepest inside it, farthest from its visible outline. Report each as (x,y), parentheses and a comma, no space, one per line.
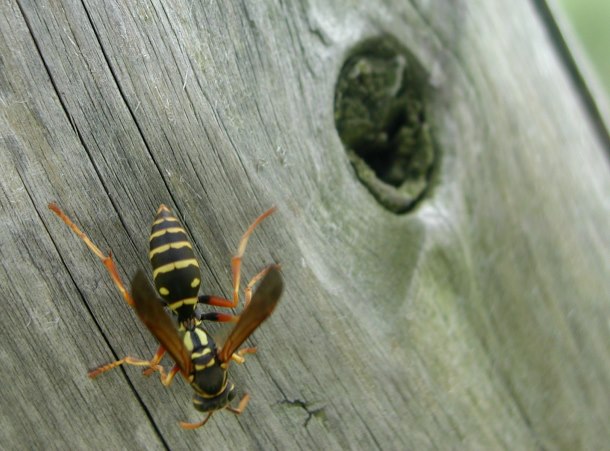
(151,313)
(261,306)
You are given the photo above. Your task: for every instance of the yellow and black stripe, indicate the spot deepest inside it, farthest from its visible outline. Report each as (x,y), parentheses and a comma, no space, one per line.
(209,378)
(175,268)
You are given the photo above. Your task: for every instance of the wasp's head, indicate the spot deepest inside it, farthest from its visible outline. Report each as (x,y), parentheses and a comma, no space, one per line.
(217,402)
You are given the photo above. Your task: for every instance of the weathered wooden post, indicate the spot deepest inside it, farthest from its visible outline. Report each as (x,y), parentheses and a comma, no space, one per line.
(443,197)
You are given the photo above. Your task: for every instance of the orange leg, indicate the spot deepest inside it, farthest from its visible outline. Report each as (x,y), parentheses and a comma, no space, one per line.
(236,260)
(192,426)
(241,406)
(166,378)
(254,280)
(108,262)
(155,361)
(238,357)
(154,365)
(170,376)
(128,360)
(158,356)
(216,316)
(125,360)
(106,259)
(217,301)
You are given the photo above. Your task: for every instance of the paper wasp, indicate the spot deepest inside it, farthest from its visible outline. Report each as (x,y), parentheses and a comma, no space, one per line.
(177,279)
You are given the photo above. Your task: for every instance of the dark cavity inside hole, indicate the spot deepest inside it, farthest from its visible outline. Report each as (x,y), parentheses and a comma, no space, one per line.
(381,119)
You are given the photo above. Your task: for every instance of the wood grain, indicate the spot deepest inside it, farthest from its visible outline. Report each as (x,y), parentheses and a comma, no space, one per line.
(478,321)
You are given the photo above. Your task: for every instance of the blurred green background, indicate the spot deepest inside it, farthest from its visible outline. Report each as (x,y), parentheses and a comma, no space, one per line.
(590,21)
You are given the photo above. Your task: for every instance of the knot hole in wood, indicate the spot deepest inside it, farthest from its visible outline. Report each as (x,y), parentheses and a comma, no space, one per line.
(380,114)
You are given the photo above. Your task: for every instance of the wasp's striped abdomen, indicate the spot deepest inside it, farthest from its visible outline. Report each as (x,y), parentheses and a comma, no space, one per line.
(175,268)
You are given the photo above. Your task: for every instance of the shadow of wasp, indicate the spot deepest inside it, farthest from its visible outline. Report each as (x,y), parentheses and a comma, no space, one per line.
(177,278)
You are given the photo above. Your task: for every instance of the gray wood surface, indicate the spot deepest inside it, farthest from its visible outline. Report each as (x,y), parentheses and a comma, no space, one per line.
(479,321)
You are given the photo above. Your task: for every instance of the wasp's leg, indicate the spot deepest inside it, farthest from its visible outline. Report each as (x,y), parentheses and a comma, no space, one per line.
(216,316)
(108,262)
(166,378)
(236,260)
(241,406)
(222,302)
(255,279)
(238,357)
(217,301)
(106,259)
(191,426)
(170,376)
(155,361)
(154,366)
(128,360)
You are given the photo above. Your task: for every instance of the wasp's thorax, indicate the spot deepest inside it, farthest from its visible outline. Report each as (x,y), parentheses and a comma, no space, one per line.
(209,376)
